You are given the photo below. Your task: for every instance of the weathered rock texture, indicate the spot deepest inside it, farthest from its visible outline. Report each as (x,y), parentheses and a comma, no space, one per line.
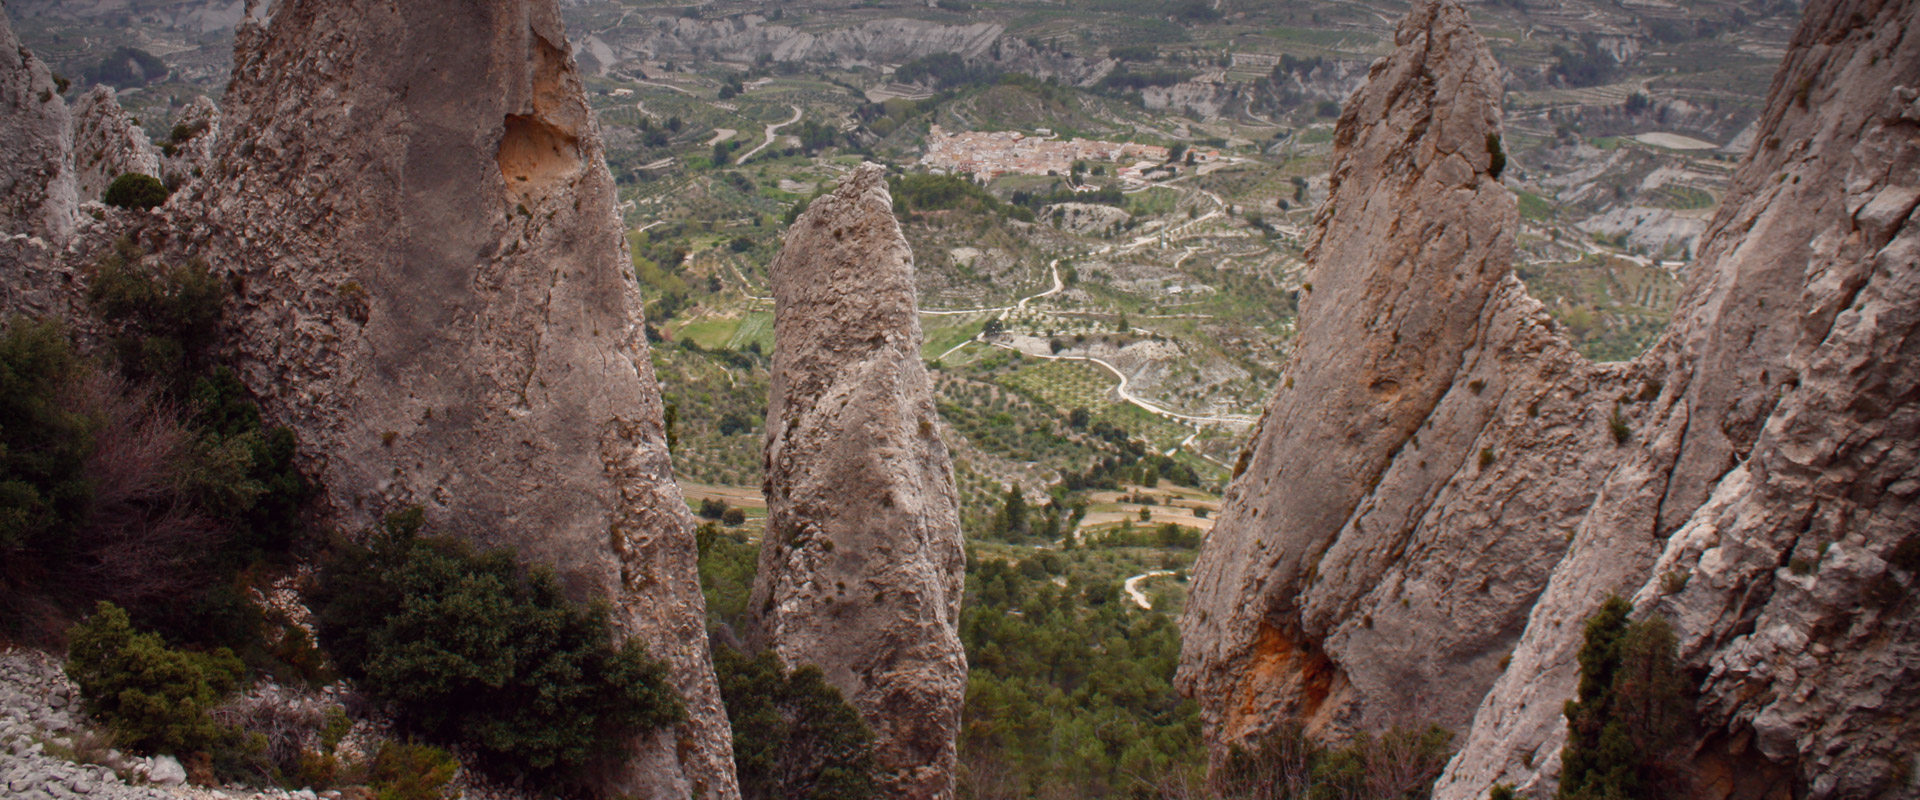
(437,299)
(1776,473)
(1351,581)
(107,144)
(861,568)
(1442,481)
(188,151)
(36,141)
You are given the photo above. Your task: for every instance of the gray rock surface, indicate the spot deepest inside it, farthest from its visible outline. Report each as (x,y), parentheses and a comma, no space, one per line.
(107,144)
(37,195)
(436,297)
(1350,582)
(1084,218)
(1776,473)
(39,707)
(1442,491)
(192,157)
(861,568)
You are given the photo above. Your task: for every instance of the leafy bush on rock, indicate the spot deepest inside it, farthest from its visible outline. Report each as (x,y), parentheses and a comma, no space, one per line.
(137,191)
(153,698)
(476,648)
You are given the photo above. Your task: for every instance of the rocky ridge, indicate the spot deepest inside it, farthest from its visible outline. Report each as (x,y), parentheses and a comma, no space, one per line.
(750,37)
(861,568)
(37,194)
(107,144)
(1334,588)
(435,296)
(1442,490)
(1765,508)
(187,159)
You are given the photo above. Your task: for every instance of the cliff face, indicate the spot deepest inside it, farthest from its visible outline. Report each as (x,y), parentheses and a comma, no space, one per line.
(188,159)
(436,297)
(1774,485)
(37,194)
(1443,485)
(107,144)
(1351,581)
(861,567)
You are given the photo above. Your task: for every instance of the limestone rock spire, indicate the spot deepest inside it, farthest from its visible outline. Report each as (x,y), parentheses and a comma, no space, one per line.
(861,568)
(37,195)
(435,295)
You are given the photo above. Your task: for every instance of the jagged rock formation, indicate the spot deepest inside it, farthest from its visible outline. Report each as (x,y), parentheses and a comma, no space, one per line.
(750,37)
(436,297)
(107,144)
(1417,348)
(1442,486)
(36,141)
(1774,480)
(861,567)
(187,153)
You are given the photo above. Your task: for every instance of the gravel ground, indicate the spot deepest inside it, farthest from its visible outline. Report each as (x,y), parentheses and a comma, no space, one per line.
(41,727)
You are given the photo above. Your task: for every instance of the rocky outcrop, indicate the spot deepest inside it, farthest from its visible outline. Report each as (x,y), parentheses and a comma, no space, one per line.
(861,568)
(1350,582)
(187,153)
(107,144)
(880,42)
(1772,489)
(37,195)
(434,294)
(1085,218)
(1442,491)
(1203,99)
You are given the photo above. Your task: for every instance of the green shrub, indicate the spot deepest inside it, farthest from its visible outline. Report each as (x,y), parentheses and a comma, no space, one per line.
(1287,764)
(412,772)
(793,734)
(474,647)
(134,190)
(162,321)
(153,698)
(1629,712)
(44,442)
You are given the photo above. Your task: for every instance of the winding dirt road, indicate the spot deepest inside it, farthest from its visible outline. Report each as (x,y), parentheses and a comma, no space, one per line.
(771,131)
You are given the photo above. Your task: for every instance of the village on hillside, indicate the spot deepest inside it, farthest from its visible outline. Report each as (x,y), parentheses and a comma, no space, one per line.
(990,154)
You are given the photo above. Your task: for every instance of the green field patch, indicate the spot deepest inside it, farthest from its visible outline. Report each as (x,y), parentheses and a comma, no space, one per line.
(756,326)
(941,332)
(709,333)
(1679,197)
(1534,208)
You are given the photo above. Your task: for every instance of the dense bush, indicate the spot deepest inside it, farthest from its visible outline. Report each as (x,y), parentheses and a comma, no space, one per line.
(153,698)
(162,321)
(44,440)
(475,647)
(945,70)
(134,190)
(408,771)
(727,566)
(793,735)
(1628,714)
(101,486)
(1400,764)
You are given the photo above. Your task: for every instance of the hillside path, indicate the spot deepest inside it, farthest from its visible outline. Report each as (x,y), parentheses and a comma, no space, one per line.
(771,130)
(1133,587)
